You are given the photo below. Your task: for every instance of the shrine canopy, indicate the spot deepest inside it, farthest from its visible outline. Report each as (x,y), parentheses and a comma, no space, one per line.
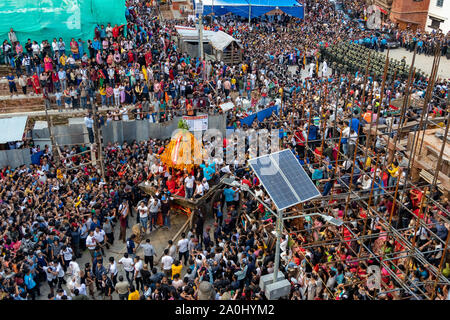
(250,8)
(184,151)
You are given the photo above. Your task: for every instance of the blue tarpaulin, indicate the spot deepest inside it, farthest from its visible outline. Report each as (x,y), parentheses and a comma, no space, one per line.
(36,157)
(252,8)
(261,115)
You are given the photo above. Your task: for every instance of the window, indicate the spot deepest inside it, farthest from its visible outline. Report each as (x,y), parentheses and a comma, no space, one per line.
(439,3)
(435,24)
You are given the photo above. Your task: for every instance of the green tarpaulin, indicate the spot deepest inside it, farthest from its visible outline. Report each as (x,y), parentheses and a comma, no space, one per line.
(47,19)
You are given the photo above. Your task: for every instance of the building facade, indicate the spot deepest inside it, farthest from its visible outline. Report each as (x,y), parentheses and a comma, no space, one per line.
(412,14)
(384,6)
(438,16)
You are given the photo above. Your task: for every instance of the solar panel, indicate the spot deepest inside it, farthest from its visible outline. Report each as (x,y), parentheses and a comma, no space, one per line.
(274,183)
(296,175)
(284,179)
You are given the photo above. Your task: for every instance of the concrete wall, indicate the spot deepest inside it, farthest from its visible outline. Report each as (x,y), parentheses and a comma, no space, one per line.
(15,158)
(120,131)
(64,135)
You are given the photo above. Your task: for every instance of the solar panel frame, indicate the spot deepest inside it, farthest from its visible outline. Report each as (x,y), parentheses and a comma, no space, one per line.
(276,187)
(296,176)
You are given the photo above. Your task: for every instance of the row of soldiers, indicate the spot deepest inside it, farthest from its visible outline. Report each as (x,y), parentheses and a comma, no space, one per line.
(351,57)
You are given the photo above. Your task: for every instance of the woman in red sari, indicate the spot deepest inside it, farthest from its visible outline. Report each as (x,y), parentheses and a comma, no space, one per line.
(36,84)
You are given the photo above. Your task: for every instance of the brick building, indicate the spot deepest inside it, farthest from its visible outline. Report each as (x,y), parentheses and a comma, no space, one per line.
(410,13)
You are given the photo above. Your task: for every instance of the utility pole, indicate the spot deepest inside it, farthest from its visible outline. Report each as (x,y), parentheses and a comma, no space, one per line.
(249,13)
(200,31)
(55,149)
(97,140)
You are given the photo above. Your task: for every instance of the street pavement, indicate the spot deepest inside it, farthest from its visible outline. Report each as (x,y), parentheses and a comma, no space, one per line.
(159,238)
(422,62)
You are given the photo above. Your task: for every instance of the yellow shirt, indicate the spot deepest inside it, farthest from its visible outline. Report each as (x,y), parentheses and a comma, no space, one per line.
(393,170)
(62,59)
(134,295)
(368,162)
(59,174)
(176,269)
(102,91)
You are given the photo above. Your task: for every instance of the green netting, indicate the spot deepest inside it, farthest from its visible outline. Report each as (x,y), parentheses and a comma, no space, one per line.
(47,19)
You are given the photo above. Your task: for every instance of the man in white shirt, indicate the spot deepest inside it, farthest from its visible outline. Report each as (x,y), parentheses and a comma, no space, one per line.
(198,190)
(62,75)
(91,243)
(59,274)
(166,262)
(205,185)
(112,270)
(81,287)
(138,265)
(67,253)
(100,237)
(128,266)
(172,250)
(183,250)
(225,169)
(74,268)
(143,215)
(154,168)
(60,293)
(89,122)
(345,136)
(189,185)
(54,47)
(149,252)
(154,206)
(51,276)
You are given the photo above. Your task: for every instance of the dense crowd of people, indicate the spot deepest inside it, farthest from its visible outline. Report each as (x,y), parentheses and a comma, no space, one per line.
(54,213)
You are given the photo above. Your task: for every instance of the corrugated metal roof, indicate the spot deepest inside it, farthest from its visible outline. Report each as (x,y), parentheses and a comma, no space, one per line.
(12,129)
(218,39)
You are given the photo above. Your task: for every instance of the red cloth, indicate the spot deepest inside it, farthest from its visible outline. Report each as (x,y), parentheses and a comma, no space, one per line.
(170,185)
(36,84)
(148,58)
(180,191)
(247,182)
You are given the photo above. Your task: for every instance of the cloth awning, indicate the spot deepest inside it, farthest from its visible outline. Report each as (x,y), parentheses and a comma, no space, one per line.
(12,129)
(218,39)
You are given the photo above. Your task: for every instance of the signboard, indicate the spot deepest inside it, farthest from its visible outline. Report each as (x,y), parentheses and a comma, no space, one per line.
(199,8)
(197,123)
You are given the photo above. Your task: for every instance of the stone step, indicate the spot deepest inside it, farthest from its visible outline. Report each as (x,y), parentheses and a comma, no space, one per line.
(4,70)
(28,103)
(21,103)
